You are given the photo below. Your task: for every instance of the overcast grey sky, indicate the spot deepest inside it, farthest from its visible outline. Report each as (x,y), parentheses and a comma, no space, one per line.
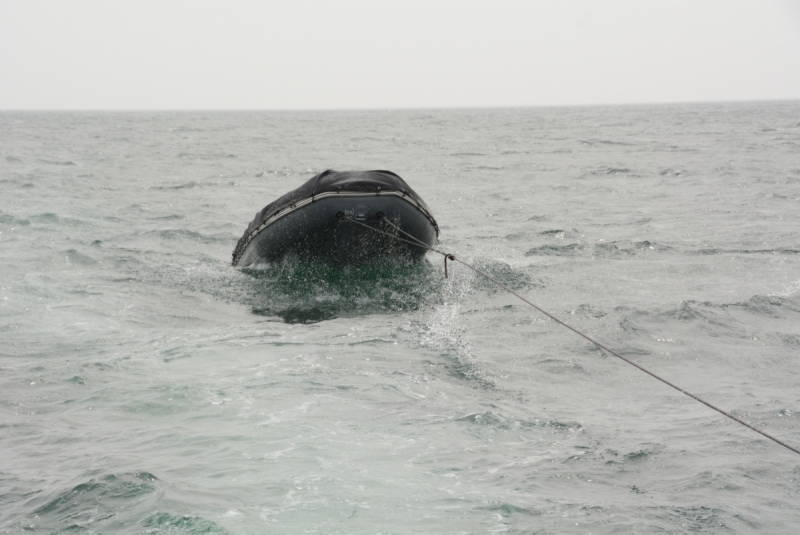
(275,54)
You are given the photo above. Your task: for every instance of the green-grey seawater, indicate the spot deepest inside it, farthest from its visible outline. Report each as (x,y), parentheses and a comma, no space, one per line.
(146,386)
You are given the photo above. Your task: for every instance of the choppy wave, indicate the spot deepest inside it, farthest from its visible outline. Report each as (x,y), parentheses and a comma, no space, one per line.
(45,218)
(610,171)
(97,504)
(734,320)
(496,420)
(671,171)
(762,305)
(205,155)
(183,185)
(768,305)
(114,503)
(570,249)
(8,219)
(744,251)
(620,248)
(598,141)
(610,456)
(56,162)
(558,233)
(612,249)
(73,256)
(323,399)
(172,524)
(191,235)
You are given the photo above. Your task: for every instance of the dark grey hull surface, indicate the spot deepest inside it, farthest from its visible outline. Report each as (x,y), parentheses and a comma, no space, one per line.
(332,226)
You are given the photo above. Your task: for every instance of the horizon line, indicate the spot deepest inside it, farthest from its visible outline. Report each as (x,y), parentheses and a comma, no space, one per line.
(415,108)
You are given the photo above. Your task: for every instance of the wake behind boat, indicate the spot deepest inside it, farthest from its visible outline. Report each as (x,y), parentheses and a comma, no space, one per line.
(328,217)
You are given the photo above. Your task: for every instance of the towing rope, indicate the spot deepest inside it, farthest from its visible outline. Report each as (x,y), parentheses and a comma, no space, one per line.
(448,256)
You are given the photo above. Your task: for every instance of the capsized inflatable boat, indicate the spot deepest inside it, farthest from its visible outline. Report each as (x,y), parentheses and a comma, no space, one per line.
(335,215)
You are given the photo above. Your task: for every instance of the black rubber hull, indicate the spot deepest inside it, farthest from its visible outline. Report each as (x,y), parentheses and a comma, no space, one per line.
(326,229)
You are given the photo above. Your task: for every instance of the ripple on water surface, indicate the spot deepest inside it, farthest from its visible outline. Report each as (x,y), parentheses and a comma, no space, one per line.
(147,386)
(115,503)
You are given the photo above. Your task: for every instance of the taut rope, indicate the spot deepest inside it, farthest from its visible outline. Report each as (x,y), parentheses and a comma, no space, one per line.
(447,256)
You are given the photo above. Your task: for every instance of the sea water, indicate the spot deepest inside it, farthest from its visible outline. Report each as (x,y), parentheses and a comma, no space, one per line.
(146,386)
